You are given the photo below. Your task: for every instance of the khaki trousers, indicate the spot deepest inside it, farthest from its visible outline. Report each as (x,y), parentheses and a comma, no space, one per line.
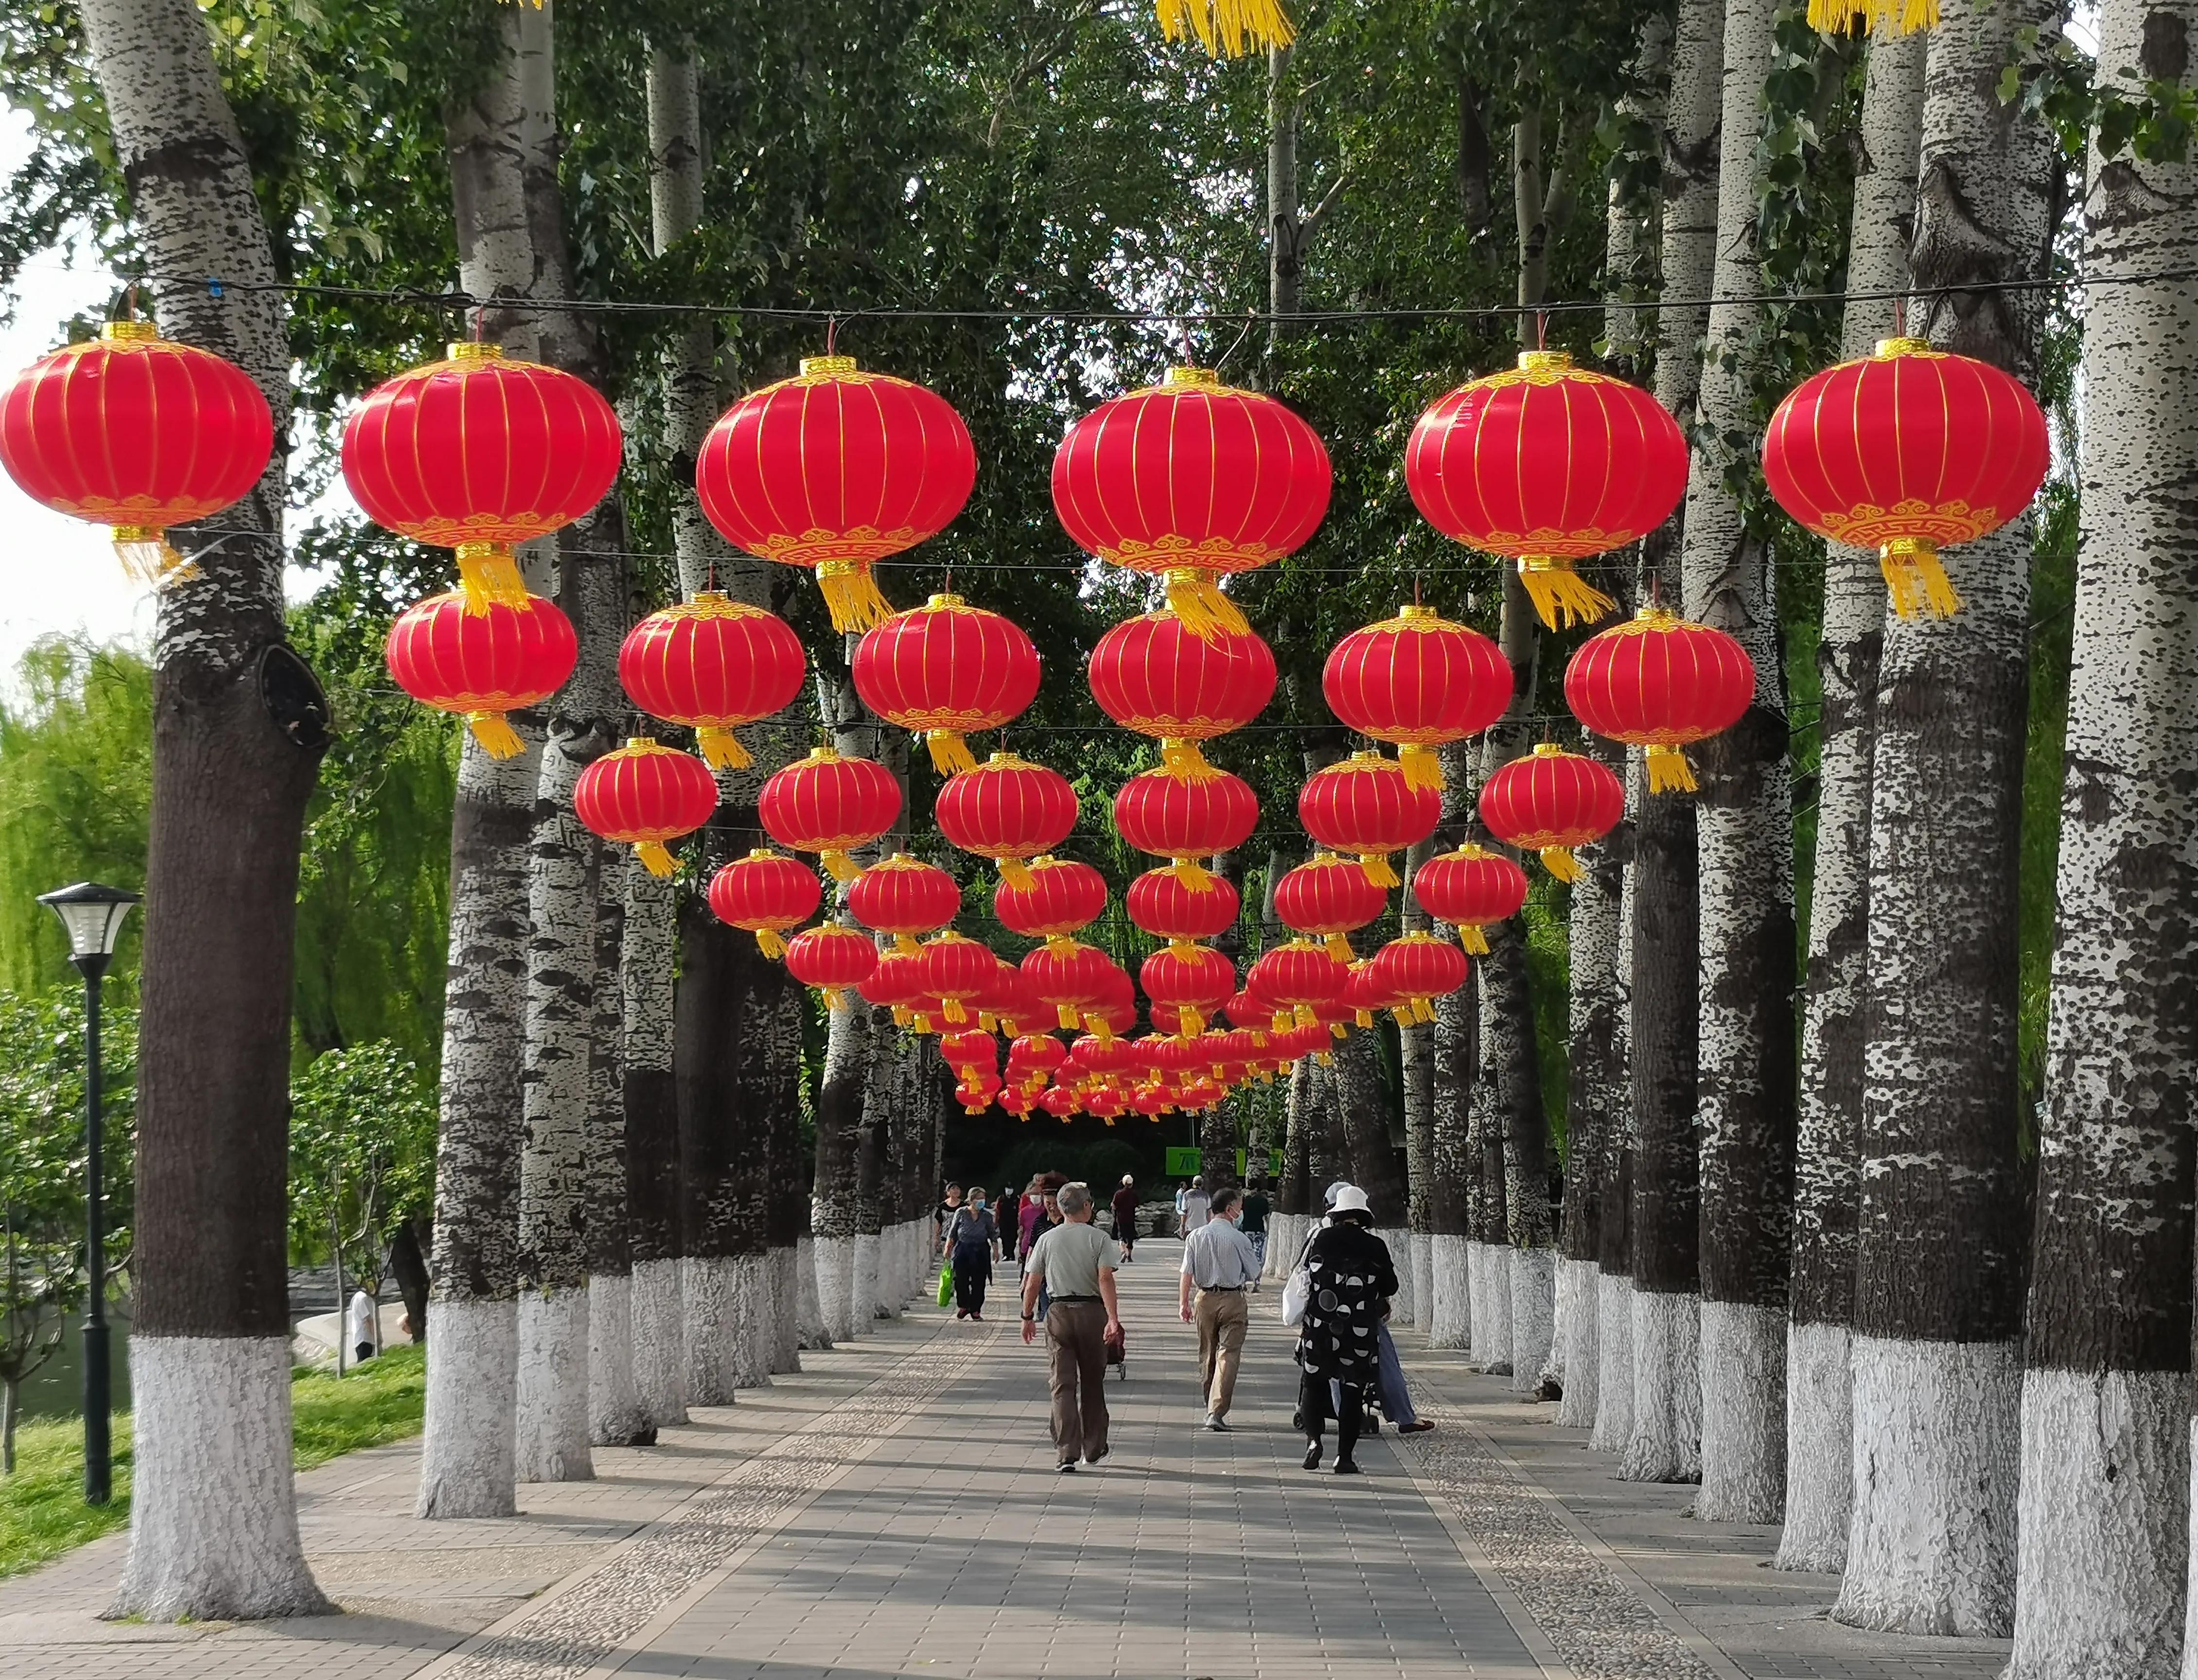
(1076,1363)
(1222,1316)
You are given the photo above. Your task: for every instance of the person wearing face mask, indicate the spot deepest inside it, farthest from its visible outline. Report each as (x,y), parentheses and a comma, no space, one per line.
(971,1239)
(1219,1261)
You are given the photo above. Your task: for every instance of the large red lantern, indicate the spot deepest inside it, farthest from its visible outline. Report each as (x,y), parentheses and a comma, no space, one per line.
(829,804)
(1161,904)
(1906,451)
(1547,463)
(765,894)
(1066,979)
(832,958)
(712,663)
(1195,980)
(903,896)
(956,969)
(1184,815)
(969,1052)
(1192,480)
(1296,979)
(897,983)
(1660,682)
(1418,681)
(1007,809)
(481,664)
(1365,805)
(1152,675)
(476,453)
(1328,895)
(1551,801)
(139,433)
(945,671)
(1061,896)
(1471,889)
(1417,968)
(834,470)
(644,794)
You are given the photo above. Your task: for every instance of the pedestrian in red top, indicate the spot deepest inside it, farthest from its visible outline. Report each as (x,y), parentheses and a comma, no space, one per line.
(1125,1217)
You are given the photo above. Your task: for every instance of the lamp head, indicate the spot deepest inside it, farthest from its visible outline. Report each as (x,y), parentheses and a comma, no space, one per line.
(93,915)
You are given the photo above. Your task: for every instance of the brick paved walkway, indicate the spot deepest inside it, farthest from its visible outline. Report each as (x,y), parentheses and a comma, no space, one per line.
(892,1511)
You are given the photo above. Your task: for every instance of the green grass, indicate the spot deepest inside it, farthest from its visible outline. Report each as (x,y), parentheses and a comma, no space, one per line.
(42,1509)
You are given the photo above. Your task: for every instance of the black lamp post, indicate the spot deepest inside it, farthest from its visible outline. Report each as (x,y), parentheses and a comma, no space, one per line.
(93,916)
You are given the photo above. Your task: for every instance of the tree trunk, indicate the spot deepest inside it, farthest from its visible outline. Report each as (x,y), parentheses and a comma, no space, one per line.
(1938,1285)
(1415,1056)
(1488,1257)
(616,1413)
(408,1264)
(784,1219)
(1819,1394)
(1594,1100)
(1455,1055)
(2102,1517)
(833,1202)
(239,725)
(1613,1292)
(652,1122)
(1690,200)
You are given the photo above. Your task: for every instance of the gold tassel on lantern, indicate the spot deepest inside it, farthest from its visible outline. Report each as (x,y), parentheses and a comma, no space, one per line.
(1304,1015)
(1186,949)
(1669,772)
(835,999)
(1193,1022)
(1226,28)
(1917,582)
(1470,936)
(904,944)
(1560,863)
(1183,760)
(494,732)
(1015,873)
(851,594)
(488,573)
(1377,868)
(656,859)
(1102,1029)
(721,749)
(1196,598)
(1422,767)
(1339,947)
(1365,1017)
(1070,1020)
(955,1012)
(1190,874)
(839,865)
(1560,593)
(1885,17)
(769,942)
(147,555)
(950,754)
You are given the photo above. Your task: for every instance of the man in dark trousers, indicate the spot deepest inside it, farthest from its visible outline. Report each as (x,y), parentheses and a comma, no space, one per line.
(1071,1262)
(1125,1217)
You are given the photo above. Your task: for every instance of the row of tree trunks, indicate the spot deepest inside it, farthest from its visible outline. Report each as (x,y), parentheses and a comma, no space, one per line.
(616,1413)
(651,1121)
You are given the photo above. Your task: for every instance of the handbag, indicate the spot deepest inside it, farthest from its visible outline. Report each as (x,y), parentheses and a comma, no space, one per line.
(1297,1296)
(946,1284)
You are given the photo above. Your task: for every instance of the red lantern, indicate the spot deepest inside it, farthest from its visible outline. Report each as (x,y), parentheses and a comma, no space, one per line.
(712,663)
(831,958)
(1061,1102)
(1365,805)
(481,664)
(1061,897)
(954,970)
(1066,979)
(1152,675)
(1012,1003)
(1551,801)
(1417,681)
(970,1052)
(1363,994)
(1905,452)
(1104,1101)
(477,453)
(1007,809)
(1103,1058)
(835,470)
(642,795)
(896,983)
(1032,1058)
(1195,980)
(1185,816)
(1328,897)
(1113,1005)
(829,805)
(1246,1011)
(1660,682)
(1160,904)
(1297,978)
(765,894)
(136,433)
(1547,463)
(945,671)
(1470,888)
(903,896)
(1417,967)
(1190,480)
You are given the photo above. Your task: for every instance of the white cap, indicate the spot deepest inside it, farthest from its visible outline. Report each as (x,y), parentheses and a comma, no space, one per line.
(1352,1199)
(1328,1195)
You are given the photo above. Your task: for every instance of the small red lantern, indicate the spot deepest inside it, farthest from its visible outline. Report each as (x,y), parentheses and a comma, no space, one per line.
(712,663)
(1061,1102)
(970,1051)
(137,433)
(765,894)
(1551,801)
(897,983)
(1192,480)
(1152,675)
(1470,888)
(829,804)
(1905,452)
(1660,682)
(1328,897)
(1011,1003)
(481,664)
(1416,968)
(1417,681)
(1032,1058)
(644,794)
(1066,979)
(477,453)
(1161,904)
(1365,805)
(1547,463)
(1246,1011)
(834,470)
(1195,980)
(945,671)
(1061,897)
(1103,1058)
(1363,995)
(956,969)
(1184,815)
(903,896)
(1007,809)
(831,958)
(1297,978)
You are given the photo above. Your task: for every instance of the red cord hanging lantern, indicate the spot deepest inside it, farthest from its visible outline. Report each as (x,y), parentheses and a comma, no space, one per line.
(1007,809)
(136,433)
(832,959)
(1152,675)
(1551,801)
(1296,979)
(766,894)
(1417,681)
(955,970)
(1161,904)
(834,470)
(1066,979)
(1190,480)
(1471,889)
(481,664)
(1417,968)
(644,794)
(476,453)
(1547,463)
(1061,896)
(829,804)
(903,896)
(1906,451)
(712,663)
(945,671)
(1329,896)
(1365,805)
(1185,816)
(1195,980)
(1660,682)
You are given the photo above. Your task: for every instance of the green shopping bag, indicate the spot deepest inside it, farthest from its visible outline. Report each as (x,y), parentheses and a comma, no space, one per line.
(945,1282)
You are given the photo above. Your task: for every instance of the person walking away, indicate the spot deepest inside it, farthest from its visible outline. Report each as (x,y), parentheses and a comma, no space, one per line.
(1070,1262)
(1008,1220)
(1218,1260)
(1031,1218)
(361,1326)
(1125,1217)
(1352,1277)
(1253,1223)
(942,1216)
(970,1239)
(1195,1206)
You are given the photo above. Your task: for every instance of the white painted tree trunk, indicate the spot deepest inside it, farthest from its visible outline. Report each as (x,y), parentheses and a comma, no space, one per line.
(1614,1408)
(786,1308)
(754,1313)
(1819,1449)
(836,1286)
(1450,1324)
(1400,1241)
(1532,1283)
(863,1297)
(1423,1281)
(1665,1443)
(809,1301)
(707,1292)
(553,1444)
(1579,1326)
(1491,1307)
(467,1466)
(659,1353)
(616,1417)
(1744,1365)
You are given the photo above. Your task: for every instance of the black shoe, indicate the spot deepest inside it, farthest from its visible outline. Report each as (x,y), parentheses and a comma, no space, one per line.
(1065,1470)
(1093,1458)
(1344,1467)
(1312,1456)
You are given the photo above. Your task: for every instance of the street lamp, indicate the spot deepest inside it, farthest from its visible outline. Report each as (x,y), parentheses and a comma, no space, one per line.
(93,916)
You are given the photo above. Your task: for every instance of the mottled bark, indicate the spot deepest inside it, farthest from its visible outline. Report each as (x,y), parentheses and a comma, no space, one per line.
(1690,200)
(1296,1196)
(1415,1049)
(1372,1157)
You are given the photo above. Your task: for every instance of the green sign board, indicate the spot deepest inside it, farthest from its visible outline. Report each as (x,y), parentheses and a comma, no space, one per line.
(1188,1163)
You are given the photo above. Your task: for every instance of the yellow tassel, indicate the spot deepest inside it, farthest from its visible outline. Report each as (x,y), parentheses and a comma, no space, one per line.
(1187,871)
(1422,767)
(1015,873)
(1323,1058)
(986,1022)
(900,1015)
(839,865)
(1259,1039)
(904,944)
(1837,17)
(950,754)
(656,859)
(835,999)
(1183,760)
(1561,593)
(1339,947)
(769,942)
(1885,17)
(1918,583)
(1470,936)
(488,573)
(1186,949)
(1422,1011)
(147,555)
(919,1022)
(1193,1022)
(1284,1020)
(851,594)
(1669,772)
(1069,1018)
(1303,1015)
(1365,1017)
(1560,863)
(721,749)
(1226,28)
(1197,599)
(1377,869)
(1102,1030)
(494,732)
(955,1012)
(1338,1030)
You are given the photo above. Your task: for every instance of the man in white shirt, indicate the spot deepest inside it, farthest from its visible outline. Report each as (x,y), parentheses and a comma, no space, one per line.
(1194,1206)
(1219,1261)
(1075,1263)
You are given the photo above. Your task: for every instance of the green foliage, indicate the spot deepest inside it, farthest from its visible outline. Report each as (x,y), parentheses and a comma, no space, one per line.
(2053,79)
(2052,630)
(361,1154)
